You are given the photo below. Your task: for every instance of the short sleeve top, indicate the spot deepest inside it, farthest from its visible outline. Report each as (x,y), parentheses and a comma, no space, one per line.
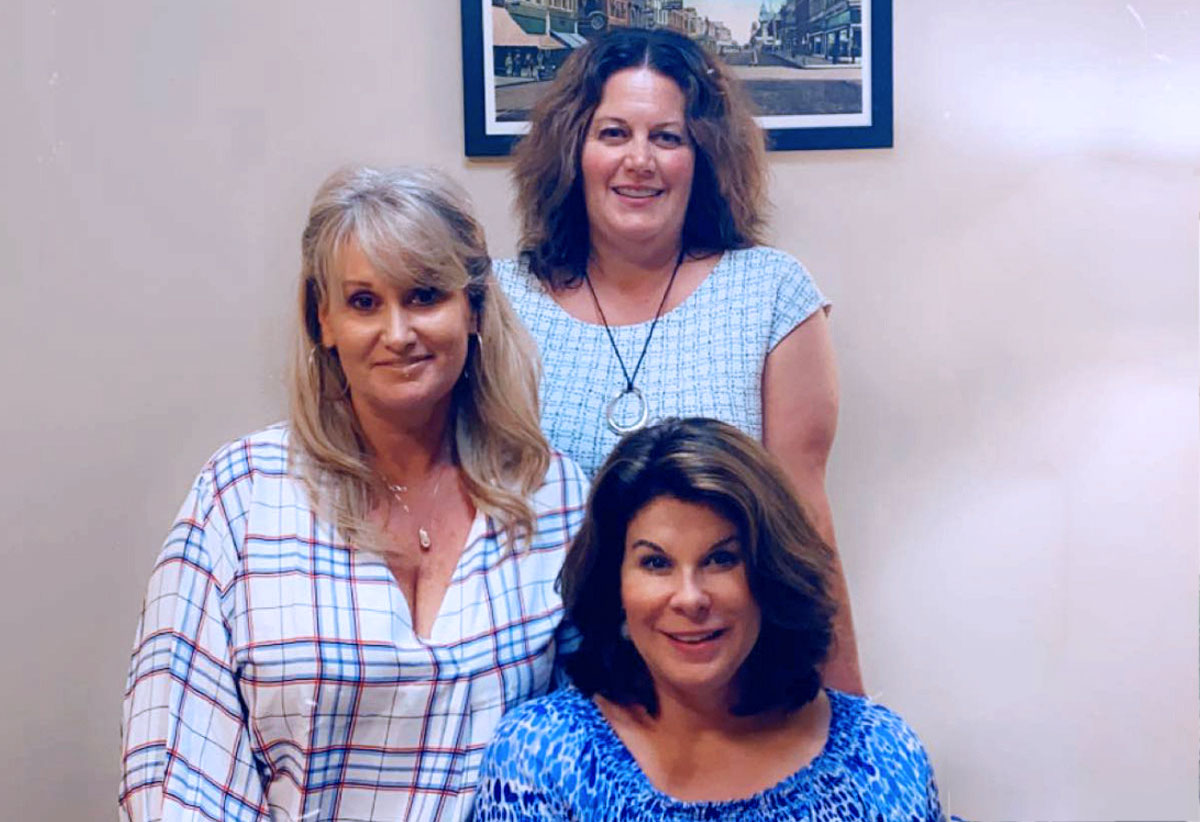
(705,359)
(557,758)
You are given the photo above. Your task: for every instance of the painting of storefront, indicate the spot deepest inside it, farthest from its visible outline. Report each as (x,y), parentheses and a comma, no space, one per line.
(808,66)
(834,31)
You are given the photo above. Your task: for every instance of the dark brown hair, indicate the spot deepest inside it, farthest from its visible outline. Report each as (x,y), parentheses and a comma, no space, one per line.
(709,463)
(729,184)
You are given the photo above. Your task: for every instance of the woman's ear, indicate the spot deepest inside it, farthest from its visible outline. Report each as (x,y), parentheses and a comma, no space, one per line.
(314,314)
(327,337)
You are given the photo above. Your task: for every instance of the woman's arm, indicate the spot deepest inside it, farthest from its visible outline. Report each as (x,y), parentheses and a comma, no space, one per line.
(800,407)
(187,752)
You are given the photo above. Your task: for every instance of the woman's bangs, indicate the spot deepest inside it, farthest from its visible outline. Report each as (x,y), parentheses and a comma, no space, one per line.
(411,253)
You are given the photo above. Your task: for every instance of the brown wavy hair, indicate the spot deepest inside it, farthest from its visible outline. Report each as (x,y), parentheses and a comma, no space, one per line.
(729,184)
(709,463)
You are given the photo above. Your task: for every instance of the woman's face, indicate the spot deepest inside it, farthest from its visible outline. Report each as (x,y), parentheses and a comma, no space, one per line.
(637,160)
(686,597)
(402,348)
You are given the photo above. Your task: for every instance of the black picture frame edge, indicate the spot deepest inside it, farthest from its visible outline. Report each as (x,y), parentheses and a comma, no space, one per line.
(478,143)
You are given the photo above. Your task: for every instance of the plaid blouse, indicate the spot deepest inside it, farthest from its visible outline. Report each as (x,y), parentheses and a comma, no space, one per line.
(276,673)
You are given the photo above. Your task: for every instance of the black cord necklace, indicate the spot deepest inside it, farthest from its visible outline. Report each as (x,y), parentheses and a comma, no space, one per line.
(643,408)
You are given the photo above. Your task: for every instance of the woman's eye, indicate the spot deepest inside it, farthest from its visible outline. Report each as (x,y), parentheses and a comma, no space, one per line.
(424,296)
(669,138)
(724,558)
(653,562)
(362,301)
(611,133)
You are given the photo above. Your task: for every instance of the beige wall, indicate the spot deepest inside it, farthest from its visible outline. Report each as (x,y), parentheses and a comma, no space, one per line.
(1015,479)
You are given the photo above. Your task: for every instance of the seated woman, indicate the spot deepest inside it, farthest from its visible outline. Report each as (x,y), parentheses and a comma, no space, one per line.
(701,593)
(348,603)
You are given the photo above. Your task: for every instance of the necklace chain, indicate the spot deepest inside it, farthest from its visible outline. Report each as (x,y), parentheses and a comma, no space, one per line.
(398,492)
(630,378)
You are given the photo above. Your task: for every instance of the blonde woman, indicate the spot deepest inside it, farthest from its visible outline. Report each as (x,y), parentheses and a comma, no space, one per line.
(349,602)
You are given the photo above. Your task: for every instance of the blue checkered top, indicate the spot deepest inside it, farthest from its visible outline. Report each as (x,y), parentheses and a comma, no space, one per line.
(706,358)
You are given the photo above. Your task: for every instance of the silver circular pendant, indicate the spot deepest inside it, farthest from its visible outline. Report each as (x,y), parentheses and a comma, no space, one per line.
(637,425)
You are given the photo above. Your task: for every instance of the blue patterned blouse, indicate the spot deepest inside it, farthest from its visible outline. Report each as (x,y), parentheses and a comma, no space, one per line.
(706,358)
(557,758)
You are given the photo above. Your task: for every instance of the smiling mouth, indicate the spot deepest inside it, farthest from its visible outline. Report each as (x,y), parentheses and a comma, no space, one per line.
(404,364)
(638,193)
(694,638)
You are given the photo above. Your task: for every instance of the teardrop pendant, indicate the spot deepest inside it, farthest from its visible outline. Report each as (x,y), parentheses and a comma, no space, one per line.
(423,538)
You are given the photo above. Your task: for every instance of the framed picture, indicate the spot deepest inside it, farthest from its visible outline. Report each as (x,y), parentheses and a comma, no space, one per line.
(819,71)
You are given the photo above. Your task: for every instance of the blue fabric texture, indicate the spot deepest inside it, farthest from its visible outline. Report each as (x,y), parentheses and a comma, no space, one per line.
(706,358)
(557,758)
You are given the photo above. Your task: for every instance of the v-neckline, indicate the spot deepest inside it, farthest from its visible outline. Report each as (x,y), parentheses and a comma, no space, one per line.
(475,533)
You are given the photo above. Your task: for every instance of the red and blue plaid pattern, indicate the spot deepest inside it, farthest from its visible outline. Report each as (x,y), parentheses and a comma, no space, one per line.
(276,673)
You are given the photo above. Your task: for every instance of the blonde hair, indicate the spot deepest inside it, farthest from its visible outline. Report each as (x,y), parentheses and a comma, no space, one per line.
(413,225)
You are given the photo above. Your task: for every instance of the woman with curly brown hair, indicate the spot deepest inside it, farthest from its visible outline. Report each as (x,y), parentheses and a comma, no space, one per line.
(641,189)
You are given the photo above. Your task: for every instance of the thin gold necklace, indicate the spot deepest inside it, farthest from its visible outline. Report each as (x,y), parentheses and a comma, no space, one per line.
(399,492)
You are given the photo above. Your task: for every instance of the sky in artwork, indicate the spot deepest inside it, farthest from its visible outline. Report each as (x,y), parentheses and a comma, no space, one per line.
(737,14)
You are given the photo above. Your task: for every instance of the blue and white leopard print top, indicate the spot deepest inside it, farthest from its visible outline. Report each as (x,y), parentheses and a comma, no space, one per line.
(557,758)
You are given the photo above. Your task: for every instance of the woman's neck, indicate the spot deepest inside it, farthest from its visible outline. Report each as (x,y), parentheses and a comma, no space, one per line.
(685,715)
(631,270)
(407,449)
(696,750)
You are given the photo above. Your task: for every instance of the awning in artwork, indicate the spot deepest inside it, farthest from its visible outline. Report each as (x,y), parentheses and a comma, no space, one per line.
(572,40)
(506,32)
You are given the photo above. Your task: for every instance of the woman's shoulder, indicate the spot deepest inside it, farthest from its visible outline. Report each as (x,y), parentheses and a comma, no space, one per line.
(259,452)
(564,487)
(208,530)
(774,283)
(555,727)
(765,263)
(763,255)
(254,466)
(514,276)
(507,267)
(872,733)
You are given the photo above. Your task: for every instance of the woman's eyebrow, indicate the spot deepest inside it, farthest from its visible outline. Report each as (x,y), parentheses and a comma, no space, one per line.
(645,543)
(722,543)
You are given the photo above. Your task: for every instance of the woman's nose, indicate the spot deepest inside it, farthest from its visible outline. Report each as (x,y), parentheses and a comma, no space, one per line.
(639,157)
(397,329)
(690,597)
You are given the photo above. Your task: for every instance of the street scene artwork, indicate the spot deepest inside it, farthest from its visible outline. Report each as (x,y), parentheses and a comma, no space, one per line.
(806,64)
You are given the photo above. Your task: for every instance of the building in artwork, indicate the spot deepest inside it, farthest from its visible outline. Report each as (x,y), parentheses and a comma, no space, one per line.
(765,31)
(831,29)
(544,16)
(570,22)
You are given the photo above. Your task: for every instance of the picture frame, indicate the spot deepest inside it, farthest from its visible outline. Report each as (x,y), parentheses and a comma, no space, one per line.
(818,71)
